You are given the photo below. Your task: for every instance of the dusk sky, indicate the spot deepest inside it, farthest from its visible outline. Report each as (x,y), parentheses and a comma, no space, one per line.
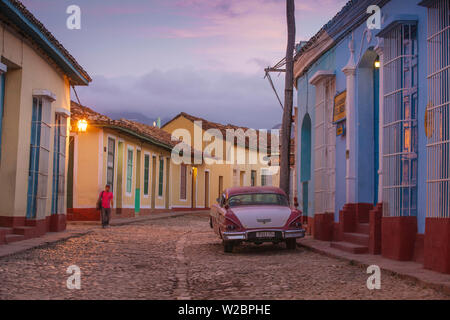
(204,57)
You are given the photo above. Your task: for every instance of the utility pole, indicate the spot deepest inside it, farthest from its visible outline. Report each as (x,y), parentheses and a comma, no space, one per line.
(288,100)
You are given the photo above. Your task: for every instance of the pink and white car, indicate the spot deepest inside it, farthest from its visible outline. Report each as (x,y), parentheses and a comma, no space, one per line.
(257,215)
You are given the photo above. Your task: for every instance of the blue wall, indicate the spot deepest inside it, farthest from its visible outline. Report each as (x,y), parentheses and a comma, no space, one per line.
(306,101)
(335,60)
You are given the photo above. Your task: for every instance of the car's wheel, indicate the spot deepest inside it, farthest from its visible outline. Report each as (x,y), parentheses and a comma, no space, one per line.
(291,244)
(228,247)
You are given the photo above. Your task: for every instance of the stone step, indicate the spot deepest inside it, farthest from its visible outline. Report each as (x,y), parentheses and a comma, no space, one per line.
(350,247)
(363,228)
(357,238)
(3,233)
(14,238)
(6,231)
(27,232)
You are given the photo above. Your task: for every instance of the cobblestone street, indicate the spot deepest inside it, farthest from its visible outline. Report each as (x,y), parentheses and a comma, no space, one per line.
(180,258)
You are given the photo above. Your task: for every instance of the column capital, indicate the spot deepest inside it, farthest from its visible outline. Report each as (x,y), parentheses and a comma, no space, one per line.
(349,70)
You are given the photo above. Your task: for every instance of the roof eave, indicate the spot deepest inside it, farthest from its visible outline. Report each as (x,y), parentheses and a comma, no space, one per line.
(36,35)
(137,135)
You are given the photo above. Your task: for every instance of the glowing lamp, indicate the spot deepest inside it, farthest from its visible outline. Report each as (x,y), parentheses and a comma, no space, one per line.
(82,125)
(377,64)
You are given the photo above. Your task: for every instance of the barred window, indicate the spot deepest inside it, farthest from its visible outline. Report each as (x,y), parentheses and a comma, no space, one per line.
(59,164)
(129,170)
(183,180)
(2,102)
(110,163)
(161,177)
(146,174)
(39,158)
(400,121)
(437,118)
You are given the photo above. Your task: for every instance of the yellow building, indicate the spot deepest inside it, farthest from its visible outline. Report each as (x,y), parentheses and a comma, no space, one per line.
(226,171)
(36,73)
(135,160)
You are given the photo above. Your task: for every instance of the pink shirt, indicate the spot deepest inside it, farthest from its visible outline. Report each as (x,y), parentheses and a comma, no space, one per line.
(106,199)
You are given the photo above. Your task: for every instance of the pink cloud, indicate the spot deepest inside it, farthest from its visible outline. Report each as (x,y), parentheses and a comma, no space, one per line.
(243,30)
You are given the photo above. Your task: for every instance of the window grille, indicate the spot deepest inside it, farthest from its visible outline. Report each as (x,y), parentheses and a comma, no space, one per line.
(59,164)
(325,148)
(400,121)
(129,170)
(146,174)
(183,181)
(2,103)
(110,163)
(39,158)
(161,177)
(437,118)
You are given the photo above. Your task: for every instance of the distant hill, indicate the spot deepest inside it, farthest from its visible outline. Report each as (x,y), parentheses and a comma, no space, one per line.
(135,116)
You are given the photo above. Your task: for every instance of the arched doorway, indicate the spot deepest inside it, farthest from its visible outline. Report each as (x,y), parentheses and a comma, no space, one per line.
(305,161)
(368,127)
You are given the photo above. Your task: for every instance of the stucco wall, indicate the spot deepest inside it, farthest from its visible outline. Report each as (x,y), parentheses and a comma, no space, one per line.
(217,169)
(90,174)
(27,71)
(335,60)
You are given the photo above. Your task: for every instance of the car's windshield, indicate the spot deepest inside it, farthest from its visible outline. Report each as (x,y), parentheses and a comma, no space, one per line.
(256,199)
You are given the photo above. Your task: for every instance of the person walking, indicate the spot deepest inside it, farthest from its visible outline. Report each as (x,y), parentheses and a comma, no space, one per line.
(105,201)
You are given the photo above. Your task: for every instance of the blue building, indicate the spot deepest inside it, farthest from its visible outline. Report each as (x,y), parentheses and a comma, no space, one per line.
(374,130)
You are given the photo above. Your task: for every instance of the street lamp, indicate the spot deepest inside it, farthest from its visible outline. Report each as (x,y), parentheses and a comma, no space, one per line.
(82,125)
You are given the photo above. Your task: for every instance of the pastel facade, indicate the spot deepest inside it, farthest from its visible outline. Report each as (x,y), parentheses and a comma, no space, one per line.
(36,76)
(135,160)
(222,174)
(375,180)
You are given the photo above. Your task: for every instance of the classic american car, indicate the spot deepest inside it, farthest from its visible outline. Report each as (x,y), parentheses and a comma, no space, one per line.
(256,215)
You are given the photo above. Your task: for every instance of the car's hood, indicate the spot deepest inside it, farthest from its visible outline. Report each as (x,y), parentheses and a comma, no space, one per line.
(253,217)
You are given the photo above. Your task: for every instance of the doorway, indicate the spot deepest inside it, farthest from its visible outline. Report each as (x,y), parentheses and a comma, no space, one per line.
(376,129)
(70,168)
(206,189)
(167,198)
(220,186)
(305,163)
(368,128)
(119,178)
(242,178)
(194,187)
(153,182)
(137,194)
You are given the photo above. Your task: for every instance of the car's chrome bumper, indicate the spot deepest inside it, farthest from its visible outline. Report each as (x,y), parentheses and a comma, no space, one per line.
(244,236)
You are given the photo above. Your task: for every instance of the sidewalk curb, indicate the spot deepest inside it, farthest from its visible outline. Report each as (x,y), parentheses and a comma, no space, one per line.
(426,284)
(7,250)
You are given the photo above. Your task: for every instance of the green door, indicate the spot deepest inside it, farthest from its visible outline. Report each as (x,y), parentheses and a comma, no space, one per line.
(137,194)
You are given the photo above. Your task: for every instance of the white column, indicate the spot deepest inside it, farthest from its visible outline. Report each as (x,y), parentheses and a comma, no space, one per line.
(379,51)
(350,179)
